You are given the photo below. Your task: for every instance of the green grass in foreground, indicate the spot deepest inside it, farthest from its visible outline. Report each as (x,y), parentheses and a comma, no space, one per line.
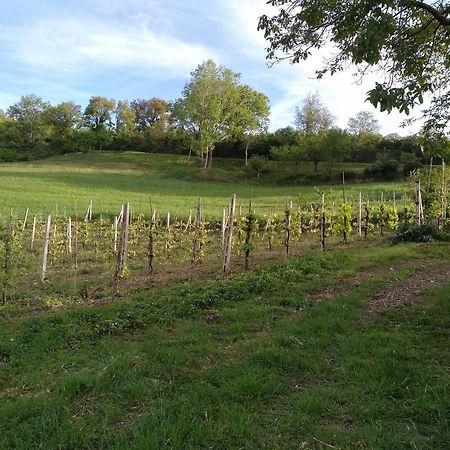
(173,182)
(271,369)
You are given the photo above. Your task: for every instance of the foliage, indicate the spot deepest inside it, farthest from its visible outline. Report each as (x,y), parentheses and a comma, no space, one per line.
(28,113)
(409,232)
(407,40)
(363,123)
(313,117)
(150,112)
(386,170)
(98,113)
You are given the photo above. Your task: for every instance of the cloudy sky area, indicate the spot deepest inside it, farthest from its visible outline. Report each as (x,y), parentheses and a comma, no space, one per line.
(127,49)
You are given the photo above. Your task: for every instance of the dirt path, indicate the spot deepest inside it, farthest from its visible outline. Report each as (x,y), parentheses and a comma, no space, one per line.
(409,290)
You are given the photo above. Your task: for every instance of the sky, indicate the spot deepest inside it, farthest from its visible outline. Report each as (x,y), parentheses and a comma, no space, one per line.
(65,50)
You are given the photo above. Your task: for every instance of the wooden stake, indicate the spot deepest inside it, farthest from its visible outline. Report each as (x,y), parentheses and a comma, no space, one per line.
(222,229)
(360,214)
(45,253)
(116,222)
(418,216)
(248,234)
(25,221)
(69,236)
(323,225)
(33,233)
(229,236)
(287,226)
(123,246)
(150,249)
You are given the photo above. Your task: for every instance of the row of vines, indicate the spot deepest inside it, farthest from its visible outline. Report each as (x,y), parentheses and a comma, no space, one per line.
(59,252)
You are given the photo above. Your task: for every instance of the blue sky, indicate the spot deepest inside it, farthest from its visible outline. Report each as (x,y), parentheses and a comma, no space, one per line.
(125,49)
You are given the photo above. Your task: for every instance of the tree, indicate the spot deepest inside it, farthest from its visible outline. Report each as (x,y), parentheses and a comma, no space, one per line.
(125,117)
(98,113)
(149,113)
(363,123)
(313,117)
(28,114)
(252,115)
(63,117)
(208,107)
(336,145)
(312,120)
(406,39)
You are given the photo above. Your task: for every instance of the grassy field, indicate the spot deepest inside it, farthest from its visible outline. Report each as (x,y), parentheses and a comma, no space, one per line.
(257,361)
(174,184)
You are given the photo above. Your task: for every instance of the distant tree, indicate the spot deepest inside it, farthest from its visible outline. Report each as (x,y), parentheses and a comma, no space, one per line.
(286,152)
(63,117)
(151,112)
(2,116)
(208,107)
(363,123)
(28,115)
(313,117)
(407,40)
(99,112)
(125,117)
(252,113)
(336,145)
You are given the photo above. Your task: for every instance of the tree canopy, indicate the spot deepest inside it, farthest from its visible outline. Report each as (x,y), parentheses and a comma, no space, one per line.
(215,107)
(408,40)
(313,117)
(363,123)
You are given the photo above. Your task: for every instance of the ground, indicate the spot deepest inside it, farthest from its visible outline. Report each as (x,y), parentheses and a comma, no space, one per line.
(326,350)
(342,349)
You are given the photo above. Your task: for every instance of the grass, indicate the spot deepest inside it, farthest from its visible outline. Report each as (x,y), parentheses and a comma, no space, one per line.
(250,362)
(173,182)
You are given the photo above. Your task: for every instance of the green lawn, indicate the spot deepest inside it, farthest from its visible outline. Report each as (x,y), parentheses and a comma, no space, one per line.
(174,184)
(252,362)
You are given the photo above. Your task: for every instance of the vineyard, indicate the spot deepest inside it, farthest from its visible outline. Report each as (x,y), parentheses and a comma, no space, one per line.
(57,259)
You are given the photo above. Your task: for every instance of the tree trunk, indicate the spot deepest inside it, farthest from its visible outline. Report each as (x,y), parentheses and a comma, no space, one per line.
(246,154)
(316,163)
(210,152)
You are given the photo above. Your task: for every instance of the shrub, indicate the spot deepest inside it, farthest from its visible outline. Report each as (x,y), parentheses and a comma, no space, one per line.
(408,232)
(384,171)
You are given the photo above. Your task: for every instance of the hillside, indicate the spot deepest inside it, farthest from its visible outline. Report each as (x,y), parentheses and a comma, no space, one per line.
(173,183)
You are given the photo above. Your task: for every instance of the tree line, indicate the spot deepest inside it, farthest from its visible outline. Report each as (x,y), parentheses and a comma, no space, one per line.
(216,114)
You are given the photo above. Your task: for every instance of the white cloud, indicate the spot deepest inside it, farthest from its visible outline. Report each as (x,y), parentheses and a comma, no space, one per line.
(75,46)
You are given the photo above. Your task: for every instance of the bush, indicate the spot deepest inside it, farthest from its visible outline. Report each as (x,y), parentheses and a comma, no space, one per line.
(384,171)
(408,232)
(411,166)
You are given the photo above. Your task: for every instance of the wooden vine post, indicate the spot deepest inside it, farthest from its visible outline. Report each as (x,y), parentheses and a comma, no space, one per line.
(248,233)
(381,221)
(443,199)
(45,253)
(360,214)
(287,226)
(196,243)
(151,239)
(418,216)
(33,233)
(222,228)
(123,244)
(323,224)
(344,198)
(229,237)
(24,225)
(366,218)
(88,216)
(69,236)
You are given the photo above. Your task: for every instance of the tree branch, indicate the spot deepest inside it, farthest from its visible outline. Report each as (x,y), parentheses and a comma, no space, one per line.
(440,16)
